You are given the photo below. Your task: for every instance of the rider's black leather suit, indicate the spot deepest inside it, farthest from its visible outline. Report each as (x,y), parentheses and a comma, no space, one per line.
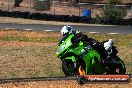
(95,44)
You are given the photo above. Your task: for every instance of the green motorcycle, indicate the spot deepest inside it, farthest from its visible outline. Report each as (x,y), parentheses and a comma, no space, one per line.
(82,57)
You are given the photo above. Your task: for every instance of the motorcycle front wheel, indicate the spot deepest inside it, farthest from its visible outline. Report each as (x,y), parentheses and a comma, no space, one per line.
(68,68)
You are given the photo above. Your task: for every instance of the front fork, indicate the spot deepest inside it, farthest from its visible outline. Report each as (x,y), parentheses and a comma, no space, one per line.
(79,67)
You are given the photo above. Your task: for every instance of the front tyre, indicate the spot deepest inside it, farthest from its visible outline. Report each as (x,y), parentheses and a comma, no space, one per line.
(68,68)
(81,80)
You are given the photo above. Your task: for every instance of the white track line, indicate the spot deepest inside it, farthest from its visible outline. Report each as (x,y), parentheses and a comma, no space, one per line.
(48,30)
(113,33)
(106,33)
(94,32)
(28,29)
(8,28)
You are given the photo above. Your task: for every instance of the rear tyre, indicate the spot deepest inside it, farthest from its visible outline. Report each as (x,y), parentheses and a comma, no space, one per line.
(121,66)
(68,68)
(118,68)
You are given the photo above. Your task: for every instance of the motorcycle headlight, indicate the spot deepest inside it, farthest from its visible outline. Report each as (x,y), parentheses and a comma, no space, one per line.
(60,49)
(57,53)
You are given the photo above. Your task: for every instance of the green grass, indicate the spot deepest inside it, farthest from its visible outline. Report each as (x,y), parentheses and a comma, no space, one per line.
(40,61)
(28,39)
(29,61)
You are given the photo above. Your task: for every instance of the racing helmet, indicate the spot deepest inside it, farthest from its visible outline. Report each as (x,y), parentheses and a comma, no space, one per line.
(66,30)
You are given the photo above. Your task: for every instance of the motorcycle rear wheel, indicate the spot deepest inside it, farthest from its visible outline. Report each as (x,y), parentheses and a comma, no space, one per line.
(118,68)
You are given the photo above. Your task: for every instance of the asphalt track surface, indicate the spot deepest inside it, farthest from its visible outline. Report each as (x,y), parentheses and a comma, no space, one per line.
(93,29)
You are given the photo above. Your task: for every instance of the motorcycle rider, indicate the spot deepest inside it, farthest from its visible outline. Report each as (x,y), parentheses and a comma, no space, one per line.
(66,30)
(79,36)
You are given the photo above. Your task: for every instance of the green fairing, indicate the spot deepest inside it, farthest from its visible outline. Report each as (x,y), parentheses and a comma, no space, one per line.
(71,58)
(92,54)
(66,47)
